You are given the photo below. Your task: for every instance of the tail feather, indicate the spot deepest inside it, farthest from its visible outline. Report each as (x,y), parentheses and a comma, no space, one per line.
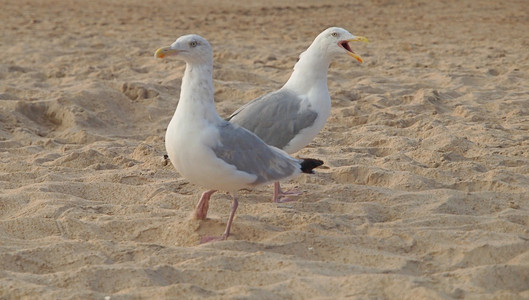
(310,163)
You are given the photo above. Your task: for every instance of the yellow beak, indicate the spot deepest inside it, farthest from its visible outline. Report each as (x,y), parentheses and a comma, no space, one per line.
(357,39)
(165,51)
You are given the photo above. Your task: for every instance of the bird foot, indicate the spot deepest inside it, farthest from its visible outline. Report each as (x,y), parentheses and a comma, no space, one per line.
(282,197)
(210,239)
(290,192)
(226,233)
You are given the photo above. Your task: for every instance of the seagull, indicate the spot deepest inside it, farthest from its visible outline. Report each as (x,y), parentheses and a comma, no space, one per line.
(292,116)
(210,151)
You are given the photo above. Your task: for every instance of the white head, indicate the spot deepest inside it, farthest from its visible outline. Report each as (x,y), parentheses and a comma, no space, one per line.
(334,41)
(192,48)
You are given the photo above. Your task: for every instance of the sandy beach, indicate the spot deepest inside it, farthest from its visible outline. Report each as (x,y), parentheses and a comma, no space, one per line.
(424,193)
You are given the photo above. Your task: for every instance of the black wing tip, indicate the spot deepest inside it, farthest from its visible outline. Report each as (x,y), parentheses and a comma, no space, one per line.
(310,163)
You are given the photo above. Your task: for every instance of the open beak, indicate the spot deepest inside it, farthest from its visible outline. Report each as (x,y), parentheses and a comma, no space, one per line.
(165,51)
(345,44)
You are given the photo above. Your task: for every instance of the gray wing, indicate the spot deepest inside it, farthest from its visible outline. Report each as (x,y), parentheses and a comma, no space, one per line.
(275,118)
(249,154)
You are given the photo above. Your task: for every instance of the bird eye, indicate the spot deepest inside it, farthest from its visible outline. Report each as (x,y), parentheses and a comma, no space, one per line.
(335,34)
(193,44)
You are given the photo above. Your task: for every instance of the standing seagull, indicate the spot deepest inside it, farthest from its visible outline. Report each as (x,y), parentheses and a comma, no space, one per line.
(292,116)
(212,152)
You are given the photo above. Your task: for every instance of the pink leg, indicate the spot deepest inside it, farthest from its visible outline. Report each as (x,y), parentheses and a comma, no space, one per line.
(280,196)
(201,211)
(226,233)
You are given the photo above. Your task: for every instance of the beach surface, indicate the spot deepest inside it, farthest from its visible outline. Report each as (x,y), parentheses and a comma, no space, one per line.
(424,193)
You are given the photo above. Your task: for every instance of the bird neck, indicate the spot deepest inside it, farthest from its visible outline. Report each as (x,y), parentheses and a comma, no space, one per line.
(310,71)
(197,92)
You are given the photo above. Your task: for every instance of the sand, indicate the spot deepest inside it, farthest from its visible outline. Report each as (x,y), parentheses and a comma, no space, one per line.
(425,191)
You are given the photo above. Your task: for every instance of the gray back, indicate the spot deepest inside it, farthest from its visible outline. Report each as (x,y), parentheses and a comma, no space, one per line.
(275,118)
